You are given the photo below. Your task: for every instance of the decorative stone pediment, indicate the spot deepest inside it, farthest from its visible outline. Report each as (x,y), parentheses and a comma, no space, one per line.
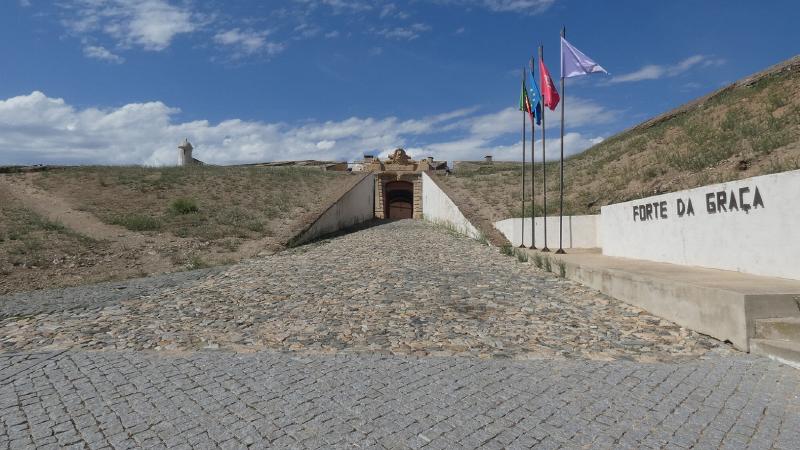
(399,157)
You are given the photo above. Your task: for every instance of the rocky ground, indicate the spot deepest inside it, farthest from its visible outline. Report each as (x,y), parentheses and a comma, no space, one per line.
(400,288)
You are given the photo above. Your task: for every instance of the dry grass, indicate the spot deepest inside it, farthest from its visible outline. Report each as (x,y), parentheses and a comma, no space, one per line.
(34,250)
(747,130)
(181,218)
(205,203)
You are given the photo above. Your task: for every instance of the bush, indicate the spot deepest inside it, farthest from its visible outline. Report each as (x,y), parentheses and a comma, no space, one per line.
(562,268)
(183,206)
(506,249)
(137,222)
(196,262)
(522,256)
(538,261)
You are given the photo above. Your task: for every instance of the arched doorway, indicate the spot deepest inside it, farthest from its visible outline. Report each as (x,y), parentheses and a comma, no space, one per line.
(399,199)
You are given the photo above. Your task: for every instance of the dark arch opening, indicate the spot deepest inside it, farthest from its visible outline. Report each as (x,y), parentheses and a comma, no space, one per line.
(399,199)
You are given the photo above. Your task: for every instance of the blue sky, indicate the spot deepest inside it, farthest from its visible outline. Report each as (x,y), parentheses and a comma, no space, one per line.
(124,81)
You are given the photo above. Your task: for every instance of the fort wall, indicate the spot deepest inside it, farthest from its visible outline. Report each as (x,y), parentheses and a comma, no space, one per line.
(352,208)
(749,226)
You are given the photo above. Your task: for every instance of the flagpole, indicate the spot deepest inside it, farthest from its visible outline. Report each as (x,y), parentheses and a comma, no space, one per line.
(522,237)
(544,165)
(561,190)
(533,171)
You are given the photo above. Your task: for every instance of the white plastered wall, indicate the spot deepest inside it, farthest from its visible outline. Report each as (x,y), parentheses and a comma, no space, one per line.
(578,231)
(354,207)
(438,208)
(744,237)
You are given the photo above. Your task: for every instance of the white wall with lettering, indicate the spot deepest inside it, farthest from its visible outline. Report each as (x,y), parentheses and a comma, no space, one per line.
(750,225)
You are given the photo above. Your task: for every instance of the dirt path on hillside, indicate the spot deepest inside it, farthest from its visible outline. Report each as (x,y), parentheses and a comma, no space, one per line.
(40,257)
(60,210)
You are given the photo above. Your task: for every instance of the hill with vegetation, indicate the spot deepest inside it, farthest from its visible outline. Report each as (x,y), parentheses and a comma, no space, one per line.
(75,225)
(749,128)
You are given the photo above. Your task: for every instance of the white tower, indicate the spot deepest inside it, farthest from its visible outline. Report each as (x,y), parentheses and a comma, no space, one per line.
(185,153)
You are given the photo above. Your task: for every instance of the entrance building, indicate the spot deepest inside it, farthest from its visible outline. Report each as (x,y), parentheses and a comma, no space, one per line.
(398,183)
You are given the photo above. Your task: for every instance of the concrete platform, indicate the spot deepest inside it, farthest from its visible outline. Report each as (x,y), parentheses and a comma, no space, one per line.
(720,303)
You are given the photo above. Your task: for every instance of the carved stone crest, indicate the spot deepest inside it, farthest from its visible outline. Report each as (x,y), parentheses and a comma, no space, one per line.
(399,156)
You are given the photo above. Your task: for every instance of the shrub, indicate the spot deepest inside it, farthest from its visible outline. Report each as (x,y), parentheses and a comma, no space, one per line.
(562,268)
(184,206)
(255,226)
(196,262)
(49,225)
(137,222)
(506,249)
(522,256)
(538,261)
(548,265)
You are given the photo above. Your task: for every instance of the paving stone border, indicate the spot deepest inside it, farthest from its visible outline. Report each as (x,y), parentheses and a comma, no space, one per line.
(281,400)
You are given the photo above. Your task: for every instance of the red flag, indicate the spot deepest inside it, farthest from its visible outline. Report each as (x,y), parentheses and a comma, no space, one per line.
(549,92)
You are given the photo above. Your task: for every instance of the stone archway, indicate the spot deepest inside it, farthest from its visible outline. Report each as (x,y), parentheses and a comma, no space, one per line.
(399,199)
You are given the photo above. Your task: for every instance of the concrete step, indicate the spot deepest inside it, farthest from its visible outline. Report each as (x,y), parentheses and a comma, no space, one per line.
(781,329)
(720,303)
(782,351)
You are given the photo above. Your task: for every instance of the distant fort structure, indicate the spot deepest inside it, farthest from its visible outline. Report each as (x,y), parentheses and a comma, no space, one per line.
(398,183)
(398,179)
(185,154)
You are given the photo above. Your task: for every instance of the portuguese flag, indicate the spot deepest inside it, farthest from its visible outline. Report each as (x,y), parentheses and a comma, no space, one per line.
(525,101)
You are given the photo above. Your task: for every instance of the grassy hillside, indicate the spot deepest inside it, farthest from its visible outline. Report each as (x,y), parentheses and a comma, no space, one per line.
(31,245)
(77,225)
(208,203)
(749,128)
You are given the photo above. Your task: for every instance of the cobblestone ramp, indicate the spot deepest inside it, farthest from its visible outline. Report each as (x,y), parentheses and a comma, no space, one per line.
(221,400)
(404,287)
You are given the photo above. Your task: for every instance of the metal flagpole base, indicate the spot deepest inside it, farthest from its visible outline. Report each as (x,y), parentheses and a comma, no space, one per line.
(532,247)
(545,249)
(521,246)
(560,251)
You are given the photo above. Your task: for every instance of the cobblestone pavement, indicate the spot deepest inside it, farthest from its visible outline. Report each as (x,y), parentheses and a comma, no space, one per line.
(125,399)
(96,295)
(400,288)
(398,336)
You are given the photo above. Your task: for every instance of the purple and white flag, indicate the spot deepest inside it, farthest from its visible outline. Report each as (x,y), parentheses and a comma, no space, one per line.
(574,63)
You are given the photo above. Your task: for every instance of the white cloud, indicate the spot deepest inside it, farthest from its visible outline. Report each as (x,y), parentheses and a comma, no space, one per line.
(101,53)
(149,24)
(306,31)
(579,113)
(326,145)
(654,72)
(35,128)
(340,6)
(522,6)
(248,42)
(530,7)
(404,33)
(387,10)
(472,148)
